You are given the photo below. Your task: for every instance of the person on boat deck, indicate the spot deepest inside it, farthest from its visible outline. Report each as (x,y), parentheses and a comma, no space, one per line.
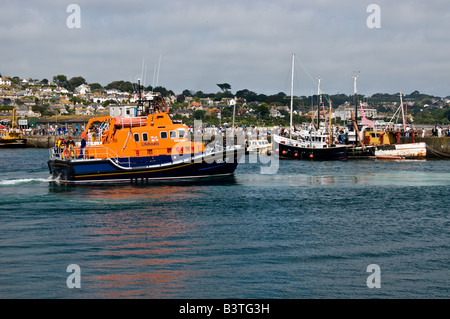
(341,137)
(71,145)
(63,144)
(58,145)
(83,145)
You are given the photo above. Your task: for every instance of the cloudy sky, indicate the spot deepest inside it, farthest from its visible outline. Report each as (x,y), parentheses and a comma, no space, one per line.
(246,43)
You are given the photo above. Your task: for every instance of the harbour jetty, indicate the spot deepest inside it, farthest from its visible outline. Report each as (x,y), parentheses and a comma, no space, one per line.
(47,141)
(437,147)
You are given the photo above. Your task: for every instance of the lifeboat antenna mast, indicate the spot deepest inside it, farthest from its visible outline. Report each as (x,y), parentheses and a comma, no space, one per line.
(140,105)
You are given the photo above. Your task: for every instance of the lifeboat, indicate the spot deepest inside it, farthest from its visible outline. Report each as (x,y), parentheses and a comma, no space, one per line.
(146,147)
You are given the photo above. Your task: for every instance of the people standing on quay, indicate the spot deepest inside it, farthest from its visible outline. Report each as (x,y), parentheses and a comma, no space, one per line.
(434,131)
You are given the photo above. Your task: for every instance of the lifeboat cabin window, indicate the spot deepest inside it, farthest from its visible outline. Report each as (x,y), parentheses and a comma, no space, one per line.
(181,133)
(173,134)
(144,137)
(136,137)
(163,134)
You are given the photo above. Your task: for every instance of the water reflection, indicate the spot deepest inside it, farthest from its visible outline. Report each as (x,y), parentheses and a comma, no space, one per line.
(139,237)
(155,284)
(321,180)
(56,187)
(139,250)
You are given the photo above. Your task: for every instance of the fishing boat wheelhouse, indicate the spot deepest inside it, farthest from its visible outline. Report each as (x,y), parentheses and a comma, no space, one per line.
(146,146)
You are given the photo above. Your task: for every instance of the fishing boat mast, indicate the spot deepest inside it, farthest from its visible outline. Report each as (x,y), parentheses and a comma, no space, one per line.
(403,112)
(292,96)
(330,139)
(319,102)
(356,99)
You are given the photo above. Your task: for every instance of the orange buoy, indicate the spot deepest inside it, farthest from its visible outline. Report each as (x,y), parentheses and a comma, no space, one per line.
(66,153)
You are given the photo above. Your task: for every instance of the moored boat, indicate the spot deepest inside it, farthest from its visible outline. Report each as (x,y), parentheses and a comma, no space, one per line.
(259,146)
(386,139)
(289,148)
(145,147)
(11,139)
(313,144)
(370,139)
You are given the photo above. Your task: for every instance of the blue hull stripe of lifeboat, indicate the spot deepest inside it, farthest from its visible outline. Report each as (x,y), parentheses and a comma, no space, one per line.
(144,160)
(151,160)
(89,168)
(202,169)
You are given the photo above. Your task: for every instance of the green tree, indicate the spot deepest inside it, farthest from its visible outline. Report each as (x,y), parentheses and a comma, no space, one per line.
(225,87)
(95,86)
(187,93)
(262,110)
(427,101)
(199,114)
(75,82)
(248,95)
(163,91)
(123,86)
(60,80)
(227,112)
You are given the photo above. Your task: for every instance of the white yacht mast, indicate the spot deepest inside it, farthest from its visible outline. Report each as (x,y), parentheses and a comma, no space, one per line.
(319,102)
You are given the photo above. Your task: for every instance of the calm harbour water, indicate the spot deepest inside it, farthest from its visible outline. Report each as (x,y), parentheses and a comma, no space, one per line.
(309,231)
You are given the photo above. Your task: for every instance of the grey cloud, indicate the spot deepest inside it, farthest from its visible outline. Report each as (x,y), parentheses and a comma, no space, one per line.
(245,43)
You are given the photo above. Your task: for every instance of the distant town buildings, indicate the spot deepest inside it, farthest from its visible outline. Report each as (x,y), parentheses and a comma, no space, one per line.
(5,81)
(33,98)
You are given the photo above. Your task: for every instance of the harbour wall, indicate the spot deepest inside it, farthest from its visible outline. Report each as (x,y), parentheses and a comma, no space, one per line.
(437,147)
(46,141)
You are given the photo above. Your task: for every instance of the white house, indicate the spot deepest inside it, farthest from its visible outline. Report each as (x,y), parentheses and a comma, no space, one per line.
(345,112)
(83,89)
(62,90)
(4,81)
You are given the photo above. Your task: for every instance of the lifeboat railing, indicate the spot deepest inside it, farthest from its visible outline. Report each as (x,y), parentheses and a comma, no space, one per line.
(86,153)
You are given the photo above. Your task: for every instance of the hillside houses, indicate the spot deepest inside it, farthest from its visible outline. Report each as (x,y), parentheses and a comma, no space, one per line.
(34,98)
(5,81)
